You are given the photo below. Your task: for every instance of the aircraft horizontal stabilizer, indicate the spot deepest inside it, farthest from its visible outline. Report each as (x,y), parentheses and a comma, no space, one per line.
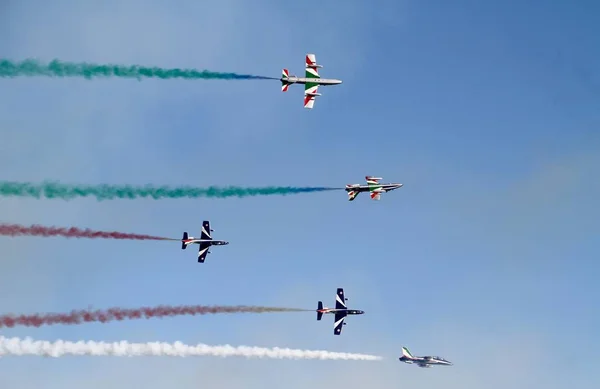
(284,83)
(319,313)
(183,244)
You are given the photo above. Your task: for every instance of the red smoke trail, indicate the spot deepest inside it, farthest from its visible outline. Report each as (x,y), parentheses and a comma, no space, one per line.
(71,232)
(103,316)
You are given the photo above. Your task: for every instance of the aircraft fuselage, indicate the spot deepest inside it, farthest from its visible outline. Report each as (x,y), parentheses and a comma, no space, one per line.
(425,361)
(212,242)
(303,80)
(367,188)
(346,311)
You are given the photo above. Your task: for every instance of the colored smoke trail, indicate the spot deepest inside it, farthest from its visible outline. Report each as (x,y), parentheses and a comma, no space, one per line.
(71,232)
(112,314)
(59,348)
(55,190)
(56,68)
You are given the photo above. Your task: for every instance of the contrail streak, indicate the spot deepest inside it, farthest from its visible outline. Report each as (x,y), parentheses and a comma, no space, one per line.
(71,232)
(112,314)
(57,68)
(55,190)
(29,346)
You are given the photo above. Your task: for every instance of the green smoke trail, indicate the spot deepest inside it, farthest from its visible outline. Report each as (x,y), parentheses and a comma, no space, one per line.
(56,68)
(55,190)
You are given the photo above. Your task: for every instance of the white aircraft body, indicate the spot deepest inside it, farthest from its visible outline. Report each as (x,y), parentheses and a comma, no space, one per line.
(426,361)
(373,186)
(311,81)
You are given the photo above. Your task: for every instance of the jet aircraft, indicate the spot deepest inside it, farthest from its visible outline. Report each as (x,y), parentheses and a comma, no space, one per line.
(340,311)
(205,241)
(426,361)
(311,81)
(373,186)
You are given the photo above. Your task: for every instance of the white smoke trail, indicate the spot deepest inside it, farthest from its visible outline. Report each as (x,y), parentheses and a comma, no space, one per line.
(59,348)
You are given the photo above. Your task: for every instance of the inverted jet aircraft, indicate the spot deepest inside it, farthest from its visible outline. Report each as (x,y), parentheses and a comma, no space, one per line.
(426,361)
(373,186)
(311,81)
(340,311)
(205,241)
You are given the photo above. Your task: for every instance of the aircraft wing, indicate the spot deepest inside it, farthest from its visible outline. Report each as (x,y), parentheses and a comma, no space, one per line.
(203,251)
(339,323)
(311,66)
(311,61)
(311,88)
(373,180)
(205,235)
(374,187)
(340,299)
(310,94)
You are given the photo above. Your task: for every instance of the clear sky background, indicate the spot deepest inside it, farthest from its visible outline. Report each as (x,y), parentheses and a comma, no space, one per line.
(487,111)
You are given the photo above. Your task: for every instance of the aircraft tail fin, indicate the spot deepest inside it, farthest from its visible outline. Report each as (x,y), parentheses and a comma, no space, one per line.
(406,353)
(352,195)
(319,307)
(183,244)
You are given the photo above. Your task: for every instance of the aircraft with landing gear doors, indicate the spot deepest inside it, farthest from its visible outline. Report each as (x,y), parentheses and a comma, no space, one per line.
(205,241)
(340,311)
(311,81)
(426,361)
(373,187)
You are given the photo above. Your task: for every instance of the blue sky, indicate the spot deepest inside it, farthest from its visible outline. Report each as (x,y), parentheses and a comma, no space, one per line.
(486,111)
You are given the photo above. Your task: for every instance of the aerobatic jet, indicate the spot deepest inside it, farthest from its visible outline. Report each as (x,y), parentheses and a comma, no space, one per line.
(340,311)
(426,361)
(205,241)
(311,81)
(373,186)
